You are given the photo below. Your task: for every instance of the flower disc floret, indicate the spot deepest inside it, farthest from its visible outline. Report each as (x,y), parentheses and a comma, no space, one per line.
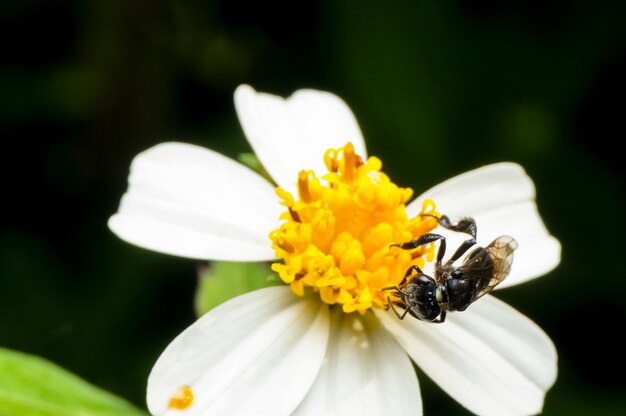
(336,236)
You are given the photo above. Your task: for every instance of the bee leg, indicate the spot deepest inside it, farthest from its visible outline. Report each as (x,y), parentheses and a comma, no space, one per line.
(465,225)
(425,239)
(409,272)
(390,304)
(461,250)
(415,243)
(442,318)
(396,288)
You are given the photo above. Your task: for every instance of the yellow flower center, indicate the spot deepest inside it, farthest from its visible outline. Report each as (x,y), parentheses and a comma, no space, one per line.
(336,236)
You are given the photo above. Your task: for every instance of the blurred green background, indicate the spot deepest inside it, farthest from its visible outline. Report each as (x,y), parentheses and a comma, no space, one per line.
(438,87)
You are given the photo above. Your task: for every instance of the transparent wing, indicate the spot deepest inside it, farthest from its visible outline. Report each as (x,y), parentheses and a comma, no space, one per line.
(490,265)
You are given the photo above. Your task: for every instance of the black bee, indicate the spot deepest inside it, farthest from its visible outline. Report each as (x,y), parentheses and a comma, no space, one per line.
(453,288)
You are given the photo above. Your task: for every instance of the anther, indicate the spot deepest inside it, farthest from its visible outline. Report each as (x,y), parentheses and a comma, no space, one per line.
(349,162)
(294,215)
(303,186)
(331,161)
(286,246)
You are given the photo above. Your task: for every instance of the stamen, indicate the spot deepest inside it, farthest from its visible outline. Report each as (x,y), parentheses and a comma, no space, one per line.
(429,206)
(349,162)
(294,215)
(331,160)
(303,186)
(282,242)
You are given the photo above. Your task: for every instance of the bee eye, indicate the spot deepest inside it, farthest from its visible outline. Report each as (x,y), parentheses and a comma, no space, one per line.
(457,274)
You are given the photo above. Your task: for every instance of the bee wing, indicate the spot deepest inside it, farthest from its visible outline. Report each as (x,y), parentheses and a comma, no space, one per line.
(490,265)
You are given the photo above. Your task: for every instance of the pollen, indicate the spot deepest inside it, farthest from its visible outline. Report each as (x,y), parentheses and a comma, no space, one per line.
(182,399)
(336,233)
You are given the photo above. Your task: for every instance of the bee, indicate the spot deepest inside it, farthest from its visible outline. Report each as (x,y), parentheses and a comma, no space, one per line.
(453,288)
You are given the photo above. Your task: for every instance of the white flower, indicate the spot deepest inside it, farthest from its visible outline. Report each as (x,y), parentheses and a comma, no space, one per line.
(272,352)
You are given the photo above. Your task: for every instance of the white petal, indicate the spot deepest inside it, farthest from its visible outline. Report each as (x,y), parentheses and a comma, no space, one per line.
(490,358)
(501,198)
(192,202)
(256,354)
(538,252)
(289,135)
(365,372)
(481,190)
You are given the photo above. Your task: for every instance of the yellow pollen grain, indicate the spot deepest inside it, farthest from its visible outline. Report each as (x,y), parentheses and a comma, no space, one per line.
(182,399)
(335,238)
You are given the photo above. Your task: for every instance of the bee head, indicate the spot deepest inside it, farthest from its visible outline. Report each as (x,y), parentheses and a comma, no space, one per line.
(422,298)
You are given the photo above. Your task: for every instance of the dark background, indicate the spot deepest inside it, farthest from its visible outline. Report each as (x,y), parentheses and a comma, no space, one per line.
(438,88)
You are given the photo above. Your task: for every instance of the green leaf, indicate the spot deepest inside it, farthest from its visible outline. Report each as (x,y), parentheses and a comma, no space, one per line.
(32,386)
(224,280)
